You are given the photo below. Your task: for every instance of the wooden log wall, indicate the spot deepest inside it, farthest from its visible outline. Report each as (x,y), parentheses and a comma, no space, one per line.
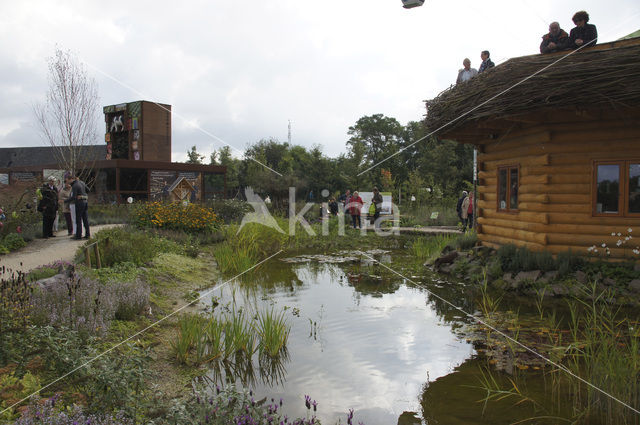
(555,186)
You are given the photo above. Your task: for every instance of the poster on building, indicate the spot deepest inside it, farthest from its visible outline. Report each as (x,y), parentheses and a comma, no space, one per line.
(4,178)
(26,176)
(172,186)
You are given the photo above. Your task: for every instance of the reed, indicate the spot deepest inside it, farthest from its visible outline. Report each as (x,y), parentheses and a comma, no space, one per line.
(273,330)
(427,247)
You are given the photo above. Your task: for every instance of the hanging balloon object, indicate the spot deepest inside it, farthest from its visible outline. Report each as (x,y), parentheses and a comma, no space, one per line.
(408,4)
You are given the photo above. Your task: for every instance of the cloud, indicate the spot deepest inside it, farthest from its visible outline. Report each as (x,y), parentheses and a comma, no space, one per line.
(242,71)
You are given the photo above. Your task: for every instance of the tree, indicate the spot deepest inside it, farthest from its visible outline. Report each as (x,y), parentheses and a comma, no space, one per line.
(376,138)
(68,118)
(193,157)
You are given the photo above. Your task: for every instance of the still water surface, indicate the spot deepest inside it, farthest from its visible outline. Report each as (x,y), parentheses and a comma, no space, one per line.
(356,342)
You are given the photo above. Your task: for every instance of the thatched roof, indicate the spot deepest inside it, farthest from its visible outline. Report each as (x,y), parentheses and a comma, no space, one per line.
(603,76)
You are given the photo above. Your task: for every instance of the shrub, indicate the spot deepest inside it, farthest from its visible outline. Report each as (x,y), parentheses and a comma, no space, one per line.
(467,240)
(86,305)
(13,241)
(127,244)
(108,213)
(47,413)
(191,218)
(221,406)
(230,210)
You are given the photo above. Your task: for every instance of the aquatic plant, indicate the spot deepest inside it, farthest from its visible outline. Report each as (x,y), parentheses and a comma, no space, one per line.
(273,331)
(426,247)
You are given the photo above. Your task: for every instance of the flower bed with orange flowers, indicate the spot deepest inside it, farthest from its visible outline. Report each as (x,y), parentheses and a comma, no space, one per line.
(192,218)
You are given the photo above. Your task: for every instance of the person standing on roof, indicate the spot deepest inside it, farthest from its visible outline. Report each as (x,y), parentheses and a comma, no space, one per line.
(466,73)
(583,34)
(486,62)
(555,40)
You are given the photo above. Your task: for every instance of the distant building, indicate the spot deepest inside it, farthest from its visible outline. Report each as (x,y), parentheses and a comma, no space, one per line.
(134,161)
(558,146)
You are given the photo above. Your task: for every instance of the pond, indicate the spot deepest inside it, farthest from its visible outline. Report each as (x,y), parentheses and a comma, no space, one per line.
(363,339)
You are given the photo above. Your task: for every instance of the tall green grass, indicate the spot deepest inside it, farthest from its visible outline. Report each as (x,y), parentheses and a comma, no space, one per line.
(426,247)
(203,339)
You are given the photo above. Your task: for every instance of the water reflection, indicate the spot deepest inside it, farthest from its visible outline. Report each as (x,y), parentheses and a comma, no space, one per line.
(367,344)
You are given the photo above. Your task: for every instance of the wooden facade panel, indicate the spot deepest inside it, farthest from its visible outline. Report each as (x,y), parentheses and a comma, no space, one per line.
(523,235)
(600,233)
(499,241)
(554,170)
(557,208)
(555,188)
(571,217)
(584,178)
(566,198)
(523,216)
(515,141)
(156,132)
(521,160)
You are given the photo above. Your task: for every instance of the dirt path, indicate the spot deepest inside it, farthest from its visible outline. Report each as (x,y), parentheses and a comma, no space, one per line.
(45,251)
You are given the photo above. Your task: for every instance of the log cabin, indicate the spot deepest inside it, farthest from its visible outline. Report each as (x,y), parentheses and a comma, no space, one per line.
(558,144)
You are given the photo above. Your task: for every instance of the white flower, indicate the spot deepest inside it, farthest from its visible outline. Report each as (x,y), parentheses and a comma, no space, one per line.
(613,233)
(595,250)
(630,237)
(619,242)
(619,234)
(635,251)
(604,245)
(629,230)
(626,238)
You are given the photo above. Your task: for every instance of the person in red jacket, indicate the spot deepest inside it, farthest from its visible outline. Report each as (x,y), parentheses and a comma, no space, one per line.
(355,204)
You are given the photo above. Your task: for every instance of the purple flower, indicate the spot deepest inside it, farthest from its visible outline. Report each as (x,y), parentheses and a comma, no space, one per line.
(307,401)
(315,405)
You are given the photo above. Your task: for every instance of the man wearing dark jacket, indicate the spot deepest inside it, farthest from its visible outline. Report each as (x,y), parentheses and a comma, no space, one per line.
(584,33)
(48,206)
(556,40)
(79,195)
(486,62)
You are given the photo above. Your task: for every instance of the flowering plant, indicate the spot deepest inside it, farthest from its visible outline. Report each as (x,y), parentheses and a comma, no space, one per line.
(189,217)
(622,240)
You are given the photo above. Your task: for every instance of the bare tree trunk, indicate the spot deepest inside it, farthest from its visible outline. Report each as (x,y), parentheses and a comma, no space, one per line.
(68,119)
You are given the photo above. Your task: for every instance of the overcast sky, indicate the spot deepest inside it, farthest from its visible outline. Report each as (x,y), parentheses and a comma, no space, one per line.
(239,71)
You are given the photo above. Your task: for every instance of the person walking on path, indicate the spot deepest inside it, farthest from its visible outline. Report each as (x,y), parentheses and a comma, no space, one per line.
(65,193)
(79,196)
(464,212)
(470,212)
(459,206)
(354,205)
(48,206)
(377,203)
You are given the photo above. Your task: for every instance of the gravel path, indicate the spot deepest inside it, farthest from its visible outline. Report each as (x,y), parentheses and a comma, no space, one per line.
(44,251)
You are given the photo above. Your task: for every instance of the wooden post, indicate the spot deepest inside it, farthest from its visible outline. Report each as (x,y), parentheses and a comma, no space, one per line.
(96,251)
(87,256)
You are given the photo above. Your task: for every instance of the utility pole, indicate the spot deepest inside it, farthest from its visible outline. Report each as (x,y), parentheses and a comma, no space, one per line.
(289,136)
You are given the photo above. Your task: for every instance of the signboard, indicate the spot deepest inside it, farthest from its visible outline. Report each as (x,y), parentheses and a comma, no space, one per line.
(171,186)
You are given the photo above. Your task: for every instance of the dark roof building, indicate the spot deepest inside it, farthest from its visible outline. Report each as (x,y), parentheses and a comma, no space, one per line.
(134,162)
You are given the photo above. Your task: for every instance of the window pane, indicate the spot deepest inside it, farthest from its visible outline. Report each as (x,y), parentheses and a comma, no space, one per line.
(634,188)
(608,181)
(502,189)
(513,191)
